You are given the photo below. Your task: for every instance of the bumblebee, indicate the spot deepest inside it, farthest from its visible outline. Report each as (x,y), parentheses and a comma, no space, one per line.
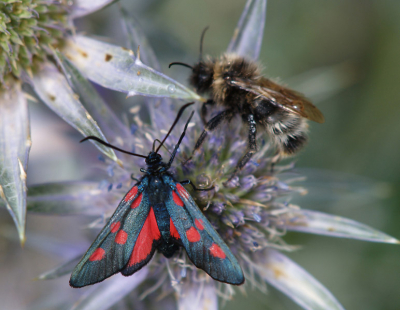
(236,84)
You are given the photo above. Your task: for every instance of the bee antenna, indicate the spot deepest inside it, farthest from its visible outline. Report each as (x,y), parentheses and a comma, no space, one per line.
(201,42)
(110,146)
(176,120)
(180,63)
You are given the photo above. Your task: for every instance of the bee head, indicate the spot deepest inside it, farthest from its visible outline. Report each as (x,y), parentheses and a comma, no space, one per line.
(202,76)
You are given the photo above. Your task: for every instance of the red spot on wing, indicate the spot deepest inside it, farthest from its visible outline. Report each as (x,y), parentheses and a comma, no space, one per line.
(193,235)
(121,237)
(177,199)
(115,226)
(182,191)
(132,193)
(98,254)
(172,229)
(137,201)
(199,224)
(144,242)
(216,251)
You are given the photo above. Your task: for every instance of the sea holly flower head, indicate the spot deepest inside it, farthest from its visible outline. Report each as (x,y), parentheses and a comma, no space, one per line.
(28,29)
(35,38)
(251,213)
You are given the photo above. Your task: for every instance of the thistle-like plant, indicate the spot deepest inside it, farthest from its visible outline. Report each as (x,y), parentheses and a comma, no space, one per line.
(35,35)
(252,213)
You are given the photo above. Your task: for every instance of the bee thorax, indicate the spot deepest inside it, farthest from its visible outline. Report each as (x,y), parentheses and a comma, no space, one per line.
(227,69)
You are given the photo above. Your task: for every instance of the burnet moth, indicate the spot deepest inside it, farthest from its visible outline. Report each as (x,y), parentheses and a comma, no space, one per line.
(157,213)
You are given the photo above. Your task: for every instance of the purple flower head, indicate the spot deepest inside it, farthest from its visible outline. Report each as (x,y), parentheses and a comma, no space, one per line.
(252,212)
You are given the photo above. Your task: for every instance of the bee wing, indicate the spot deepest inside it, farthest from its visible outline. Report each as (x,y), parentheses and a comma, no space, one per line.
(113,250)
(283,97)
(202,243)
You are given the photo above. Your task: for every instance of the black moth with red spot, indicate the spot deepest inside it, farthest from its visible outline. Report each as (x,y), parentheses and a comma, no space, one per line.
(157,213)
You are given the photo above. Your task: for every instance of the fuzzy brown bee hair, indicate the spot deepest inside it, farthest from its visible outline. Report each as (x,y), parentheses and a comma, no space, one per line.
(236,84)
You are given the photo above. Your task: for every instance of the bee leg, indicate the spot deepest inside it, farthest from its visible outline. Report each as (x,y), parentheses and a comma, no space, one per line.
(133,178)
(252,148)
(203,113)
(211,125)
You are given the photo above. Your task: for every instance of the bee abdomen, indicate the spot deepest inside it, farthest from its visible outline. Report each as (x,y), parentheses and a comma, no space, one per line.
(288,128)
(289,134)
(293,144)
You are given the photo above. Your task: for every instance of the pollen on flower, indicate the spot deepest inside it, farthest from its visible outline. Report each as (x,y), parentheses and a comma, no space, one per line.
(108,57)
(278,272)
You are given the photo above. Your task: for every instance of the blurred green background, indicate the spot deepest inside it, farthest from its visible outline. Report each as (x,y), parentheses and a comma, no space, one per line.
(342,54)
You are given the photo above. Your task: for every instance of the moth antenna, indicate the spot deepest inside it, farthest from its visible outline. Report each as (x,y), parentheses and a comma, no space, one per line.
(180,63)
(157,140)
(180,140)
(110,146)
(184,131)
(170,153)
(176,120)
(201,42)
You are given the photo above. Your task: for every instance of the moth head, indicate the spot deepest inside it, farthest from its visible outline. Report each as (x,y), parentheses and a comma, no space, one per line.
(153,158)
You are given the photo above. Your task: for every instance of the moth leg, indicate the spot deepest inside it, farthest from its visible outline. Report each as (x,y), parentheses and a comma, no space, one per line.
(251,149)
(186,182)
(203,112)
(133,178)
